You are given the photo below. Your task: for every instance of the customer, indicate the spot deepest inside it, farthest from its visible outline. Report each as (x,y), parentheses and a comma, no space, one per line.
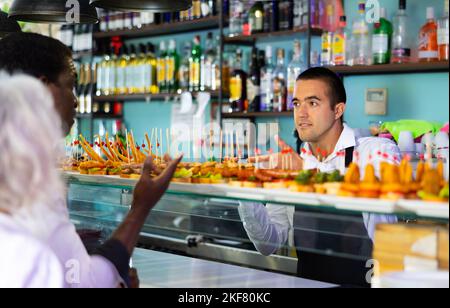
(32,194)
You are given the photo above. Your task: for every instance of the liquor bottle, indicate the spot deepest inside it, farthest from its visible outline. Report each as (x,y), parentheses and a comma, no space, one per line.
(326,53)
(130,72)
(381,40)
(183,72)
(339,48)
(295,68)
(141,69)
(285,13)
(91,84)
(361,39)
(266,82)
(270,16)
(151,83)
(128,21)
(443,34)
(236,22)
(111,74)
(172,66)
(254,83)
(121,71)
(207,60)
(217,83)
(81,89)
(428,45)
(256,18)
(101,73)
(279,83)
(300,14)
(197,10)
(238,85)
(401,48)
(161,68)
(195,65)
(315,14)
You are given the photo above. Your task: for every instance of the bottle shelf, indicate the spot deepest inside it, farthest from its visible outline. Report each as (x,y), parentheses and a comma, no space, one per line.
(98,116)
(250,39)
(406,68)
(146,97)
(204,23)
(243,115)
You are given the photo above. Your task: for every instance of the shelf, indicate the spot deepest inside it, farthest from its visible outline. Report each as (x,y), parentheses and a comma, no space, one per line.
(432,67)
(145,97)
(411,209)
(98,116)
(249,40)
(171,28)
(239,115)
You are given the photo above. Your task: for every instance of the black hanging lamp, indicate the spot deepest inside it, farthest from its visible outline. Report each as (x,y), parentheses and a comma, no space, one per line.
(7,25)
(144,5)
(54,11)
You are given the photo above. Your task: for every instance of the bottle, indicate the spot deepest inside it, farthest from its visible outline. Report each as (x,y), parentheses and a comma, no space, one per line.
(361,39)
(183,72)
(279,83)
(315,13)
(254,83)
(326,53)
(401,49)
(131,72)
(121,69)
(197,10)
(141,69)
(443,34)
(161,68)
(128,20)
(238,84)
(91,88)
(339,50)
(428,45)
(270,16)
(267,72)
(236,22)
(207,60)
(382,39)
(295,68)
(256,18)
(81,89)
(102,72)
(111,74)
(329,24)
(285,13)
(151,67)
(172,66)
(194,65)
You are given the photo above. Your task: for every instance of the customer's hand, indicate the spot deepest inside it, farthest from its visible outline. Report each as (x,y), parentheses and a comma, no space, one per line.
(149,190)
(282,159)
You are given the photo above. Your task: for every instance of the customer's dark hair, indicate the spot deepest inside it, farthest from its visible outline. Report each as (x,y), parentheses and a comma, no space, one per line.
(34,54)
(336,87)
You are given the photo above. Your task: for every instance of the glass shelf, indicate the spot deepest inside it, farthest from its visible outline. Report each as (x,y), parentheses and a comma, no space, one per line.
(404,209)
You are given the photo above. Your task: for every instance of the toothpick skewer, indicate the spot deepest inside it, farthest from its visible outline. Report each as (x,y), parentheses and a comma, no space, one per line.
(211,136)
(168,141)
(220,146)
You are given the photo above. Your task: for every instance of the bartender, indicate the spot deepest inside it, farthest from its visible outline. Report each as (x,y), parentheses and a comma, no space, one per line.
(330,248)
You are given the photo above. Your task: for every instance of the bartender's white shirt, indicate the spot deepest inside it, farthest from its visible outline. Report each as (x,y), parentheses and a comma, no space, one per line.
(271,226)
(24,261)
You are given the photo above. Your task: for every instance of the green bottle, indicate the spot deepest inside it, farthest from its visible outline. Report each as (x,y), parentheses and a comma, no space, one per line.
(381,40)
(194,66)
(172,66)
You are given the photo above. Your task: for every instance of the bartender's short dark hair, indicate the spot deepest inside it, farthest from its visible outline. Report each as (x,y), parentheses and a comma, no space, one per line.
(336,86)
(34,54)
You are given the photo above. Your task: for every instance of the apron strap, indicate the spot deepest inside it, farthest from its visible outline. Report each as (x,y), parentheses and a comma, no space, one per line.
(349,156)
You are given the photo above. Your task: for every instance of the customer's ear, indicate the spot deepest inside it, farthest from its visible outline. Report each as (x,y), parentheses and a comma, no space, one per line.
(339,110)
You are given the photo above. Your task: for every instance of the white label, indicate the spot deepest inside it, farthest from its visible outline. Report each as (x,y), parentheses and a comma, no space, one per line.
(380,43)
(443,36)
(428,54)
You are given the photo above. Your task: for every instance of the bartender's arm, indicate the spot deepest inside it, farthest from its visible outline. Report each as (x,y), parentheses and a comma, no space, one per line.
(267,226)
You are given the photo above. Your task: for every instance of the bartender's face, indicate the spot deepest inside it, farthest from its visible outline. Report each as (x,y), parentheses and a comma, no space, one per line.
(63,94)
(313,112)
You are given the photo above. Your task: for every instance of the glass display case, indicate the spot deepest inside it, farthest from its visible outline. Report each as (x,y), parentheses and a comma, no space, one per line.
(203,221)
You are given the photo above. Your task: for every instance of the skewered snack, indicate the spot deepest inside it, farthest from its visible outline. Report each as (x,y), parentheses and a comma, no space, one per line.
(350,187)
(370,186)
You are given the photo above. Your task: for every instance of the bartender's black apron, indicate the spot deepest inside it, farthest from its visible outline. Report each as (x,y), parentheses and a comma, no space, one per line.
(332,248)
